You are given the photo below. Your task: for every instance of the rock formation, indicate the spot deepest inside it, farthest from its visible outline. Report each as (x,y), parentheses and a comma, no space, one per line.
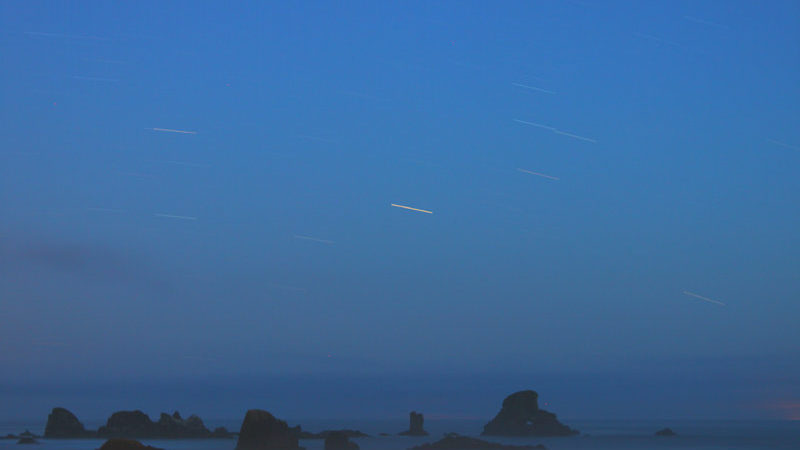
(125,444)
(27,440)
(666,432)
(136,424)
(61,424)
(521,416)
(301,434)
(262,431)
(337,440)
(416,421)
(453,441)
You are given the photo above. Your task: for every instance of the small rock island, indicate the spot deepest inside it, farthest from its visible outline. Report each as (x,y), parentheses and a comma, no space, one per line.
(521,416)
(454,441)
(125,444)
(262,431)
(337,440)
(415,422)
(666,432)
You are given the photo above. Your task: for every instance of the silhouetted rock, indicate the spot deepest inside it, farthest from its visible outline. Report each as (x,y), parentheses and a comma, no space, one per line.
(666,432)
(336,440)
(221,432)
(453,441)
(61,423)
(416,421)
(384,434)
(301,434)
(125,444)
(27,440)
(262,431)
(27,433)
(521,416)
(136,424)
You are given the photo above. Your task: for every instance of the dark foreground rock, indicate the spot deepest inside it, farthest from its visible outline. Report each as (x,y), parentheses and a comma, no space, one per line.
(136,424)
(27,440)
(453,441)
(666,432)
(262,431)
(339,441)
(521,416)
(62,424)
(125,444)
(415,422)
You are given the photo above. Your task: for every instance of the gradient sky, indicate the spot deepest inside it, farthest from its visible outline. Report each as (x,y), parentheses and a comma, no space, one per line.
(674,135)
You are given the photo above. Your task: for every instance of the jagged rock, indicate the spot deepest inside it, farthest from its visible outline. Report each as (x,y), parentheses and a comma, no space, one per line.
(125,444)
(136,424)
(128,424)
(666,432)
(27,440)
(384,434)
(61,423)
(262,431)
(416,421)
(521,416)
(453,441)
(336,440)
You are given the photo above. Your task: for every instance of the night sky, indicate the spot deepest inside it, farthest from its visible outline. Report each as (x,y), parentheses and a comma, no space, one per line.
(196,207)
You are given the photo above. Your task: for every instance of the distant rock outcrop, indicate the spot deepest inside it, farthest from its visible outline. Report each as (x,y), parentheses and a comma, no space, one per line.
(136,424)
(62,424)
(521,416)
(301,434)
(666,432)
(416,420)
(337,440)
(27,440)
(262,431)
(125,444)
(453,441)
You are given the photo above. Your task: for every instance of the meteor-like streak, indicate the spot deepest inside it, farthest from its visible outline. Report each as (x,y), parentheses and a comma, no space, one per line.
(309,238)
(412,209)
(783,144)
(533,88)
(169,130)
(692,294)
(173,216)
(539,174)
(555,130)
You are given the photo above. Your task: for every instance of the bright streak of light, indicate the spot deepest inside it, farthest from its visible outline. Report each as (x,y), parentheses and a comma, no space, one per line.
(169,130)
(692,294)
(539,174)
(412,209)
(173,216)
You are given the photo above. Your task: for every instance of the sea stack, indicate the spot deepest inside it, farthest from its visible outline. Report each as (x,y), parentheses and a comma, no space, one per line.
(62,424)
(415,422)
(666,432)
(262,431)
(521,416)
(337,440)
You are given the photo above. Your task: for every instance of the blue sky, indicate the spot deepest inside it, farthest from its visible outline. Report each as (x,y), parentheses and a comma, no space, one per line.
(668,132)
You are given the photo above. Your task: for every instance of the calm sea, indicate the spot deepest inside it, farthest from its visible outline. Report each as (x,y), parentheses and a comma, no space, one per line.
(597,434)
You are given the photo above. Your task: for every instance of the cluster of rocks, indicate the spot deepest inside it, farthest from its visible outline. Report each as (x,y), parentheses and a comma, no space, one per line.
(454,441)
(62,424)
(521,416)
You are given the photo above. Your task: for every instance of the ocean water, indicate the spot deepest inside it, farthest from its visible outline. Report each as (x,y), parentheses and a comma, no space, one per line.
(596,435)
